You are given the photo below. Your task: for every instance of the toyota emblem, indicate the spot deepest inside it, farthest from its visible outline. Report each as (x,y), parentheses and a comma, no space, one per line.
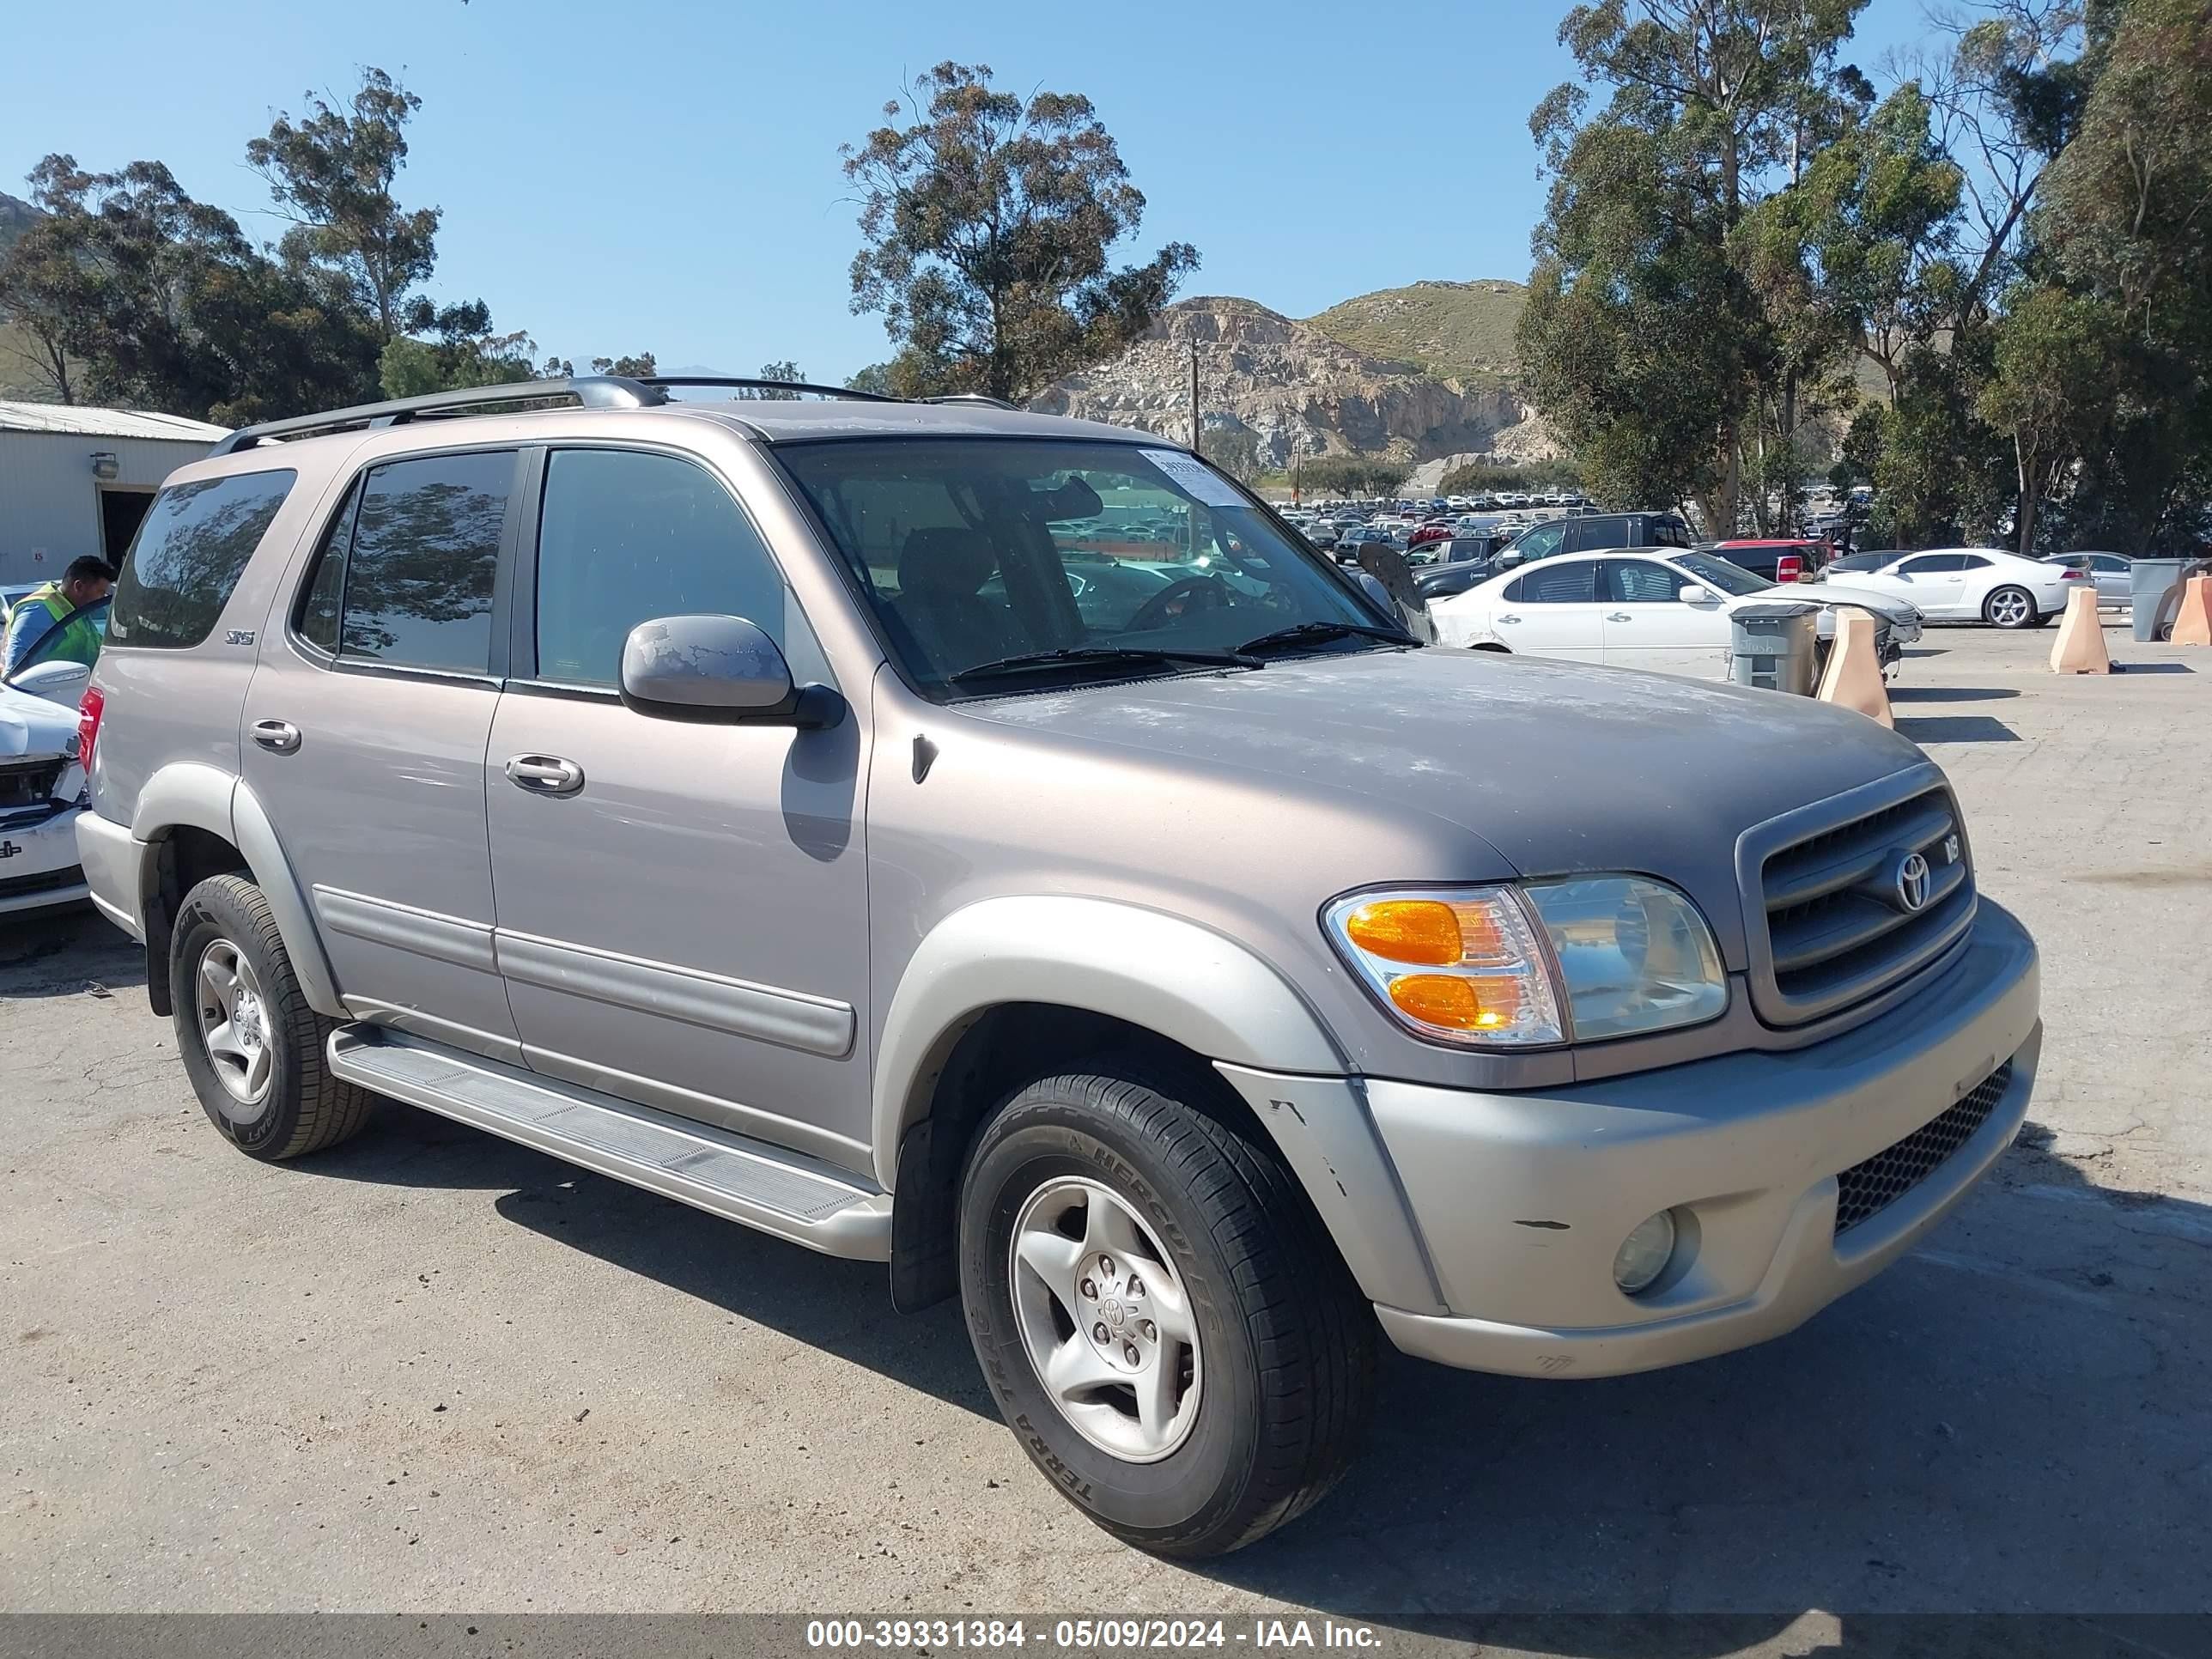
(1912,883)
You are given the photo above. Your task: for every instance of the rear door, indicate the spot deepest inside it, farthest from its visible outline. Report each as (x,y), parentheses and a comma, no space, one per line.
(1552,610)
(682,918)
(366,722)
(1646,625)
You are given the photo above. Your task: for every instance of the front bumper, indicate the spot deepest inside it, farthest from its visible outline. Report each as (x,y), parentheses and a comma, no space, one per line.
(1522,1201)
(39,862)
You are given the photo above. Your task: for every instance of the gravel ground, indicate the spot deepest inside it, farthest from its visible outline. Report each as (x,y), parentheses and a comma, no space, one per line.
(436,1372)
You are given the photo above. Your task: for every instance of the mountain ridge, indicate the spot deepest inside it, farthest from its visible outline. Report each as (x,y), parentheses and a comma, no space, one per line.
(1416,373)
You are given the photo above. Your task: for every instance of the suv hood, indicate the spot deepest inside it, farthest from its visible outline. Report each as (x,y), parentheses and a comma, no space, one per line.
(1558,767)
(31,725)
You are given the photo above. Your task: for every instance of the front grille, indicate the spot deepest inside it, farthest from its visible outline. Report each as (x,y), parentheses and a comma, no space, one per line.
(28,783)
(1837,926)
(1867,1190)
(20,886)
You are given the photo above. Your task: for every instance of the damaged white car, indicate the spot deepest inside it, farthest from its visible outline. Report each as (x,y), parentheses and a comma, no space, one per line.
(41,787)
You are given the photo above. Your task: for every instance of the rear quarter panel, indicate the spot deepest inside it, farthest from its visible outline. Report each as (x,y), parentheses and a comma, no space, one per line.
(166,705)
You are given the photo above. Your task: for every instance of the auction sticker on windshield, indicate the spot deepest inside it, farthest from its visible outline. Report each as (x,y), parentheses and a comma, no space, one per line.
(1194,479)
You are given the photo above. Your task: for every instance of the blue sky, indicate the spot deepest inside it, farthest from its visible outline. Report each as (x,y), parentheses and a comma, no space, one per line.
(620,175)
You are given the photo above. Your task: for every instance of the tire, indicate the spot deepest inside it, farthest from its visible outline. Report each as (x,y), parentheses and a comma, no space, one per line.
(265,1085)
(2010,608)
(1269,1396)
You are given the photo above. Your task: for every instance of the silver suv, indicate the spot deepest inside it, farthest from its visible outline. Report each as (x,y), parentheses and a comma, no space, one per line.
(996,846)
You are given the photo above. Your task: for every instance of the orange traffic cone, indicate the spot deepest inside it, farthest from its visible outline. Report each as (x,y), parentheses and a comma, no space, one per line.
(2080,647)
(2192,624)
(1853,679)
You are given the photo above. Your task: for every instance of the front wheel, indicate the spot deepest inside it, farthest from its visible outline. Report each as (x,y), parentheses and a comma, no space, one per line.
(1163,1322)
(2010,607)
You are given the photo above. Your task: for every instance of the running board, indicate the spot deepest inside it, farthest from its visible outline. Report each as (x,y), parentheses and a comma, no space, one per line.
(740,1179)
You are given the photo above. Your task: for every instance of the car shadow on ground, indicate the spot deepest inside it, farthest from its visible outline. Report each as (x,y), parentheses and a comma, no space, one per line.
(67,952)
(1925,1446)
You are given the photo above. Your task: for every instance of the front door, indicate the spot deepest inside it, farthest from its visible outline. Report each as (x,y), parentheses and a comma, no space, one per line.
(1552,610)
(1648,626)
(683,907)
(1935,582)
(366,721)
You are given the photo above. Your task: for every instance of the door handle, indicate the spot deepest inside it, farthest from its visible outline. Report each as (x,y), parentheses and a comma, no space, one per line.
(1619,615)
(1508,619)
(545,774)
(278,736)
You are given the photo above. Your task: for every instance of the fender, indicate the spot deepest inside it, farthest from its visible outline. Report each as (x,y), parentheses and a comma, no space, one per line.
(1186,983)
(207,798)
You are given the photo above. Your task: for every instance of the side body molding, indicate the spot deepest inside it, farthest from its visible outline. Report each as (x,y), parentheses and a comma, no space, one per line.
(207,798)
(1185,983)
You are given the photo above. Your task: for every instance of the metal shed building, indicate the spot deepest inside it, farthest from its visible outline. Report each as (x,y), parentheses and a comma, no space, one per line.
(75,480)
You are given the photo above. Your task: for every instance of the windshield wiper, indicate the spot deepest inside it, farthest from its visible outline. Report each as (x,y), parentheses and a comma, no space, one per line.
(1314,632)
(1107,656)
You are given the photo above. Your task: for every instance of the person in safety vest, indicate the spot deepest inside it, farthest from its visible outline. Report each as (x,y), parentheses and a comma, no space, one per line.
(59,605)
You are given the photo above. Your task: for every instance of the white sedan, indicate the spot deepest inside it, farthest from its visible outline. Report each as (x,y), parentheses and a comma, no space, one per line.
(1654,608)
(41,791)
(1973,584)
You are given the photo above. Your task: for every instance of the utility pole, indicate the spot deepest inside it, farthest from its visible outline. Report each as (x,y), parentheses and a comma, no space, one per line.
(1194,396)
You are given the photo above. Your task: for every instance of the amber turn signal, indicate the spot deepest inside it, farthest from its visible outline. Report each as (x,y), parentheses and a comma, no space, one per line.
(1422,931)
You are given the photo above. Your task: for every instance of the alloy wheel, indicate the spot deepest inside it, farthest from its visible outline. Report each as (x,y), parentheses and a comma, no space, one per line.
(234,1017)
(1105,1320)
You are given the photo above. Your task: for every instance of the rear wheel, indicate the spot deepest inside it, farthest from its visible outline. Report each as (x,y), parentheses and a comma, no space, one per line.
(252,1046)
(2010,607)
(1162,1321)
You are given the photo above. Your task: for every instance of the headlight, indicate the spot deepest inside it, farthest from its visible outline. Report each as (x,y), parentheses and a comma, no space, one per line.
(1595,957)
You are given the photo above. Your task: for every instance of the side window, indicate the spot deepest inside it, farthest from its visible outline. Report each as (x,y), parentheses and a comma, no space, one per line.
(321,604)
(1669,532)
(625,536)
(2111,563)
(1639,581)
(1932,565)
(1573,583)
(1543,541)
(188,556)
(1970,563)
(418,580)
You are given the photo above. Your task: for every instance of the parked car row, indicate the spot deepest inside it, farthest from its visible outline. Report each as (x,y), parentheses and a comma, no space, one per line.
(1663,609)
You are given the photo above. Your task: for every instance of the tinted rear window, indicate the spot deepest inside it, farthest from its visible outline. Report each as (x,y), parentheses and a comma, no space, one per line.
(418,582)
(188,555)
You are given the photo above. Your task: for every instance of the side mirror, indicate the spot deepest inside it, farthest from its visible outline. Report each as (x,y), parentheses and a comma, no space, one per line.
(1695,593)
(721,670)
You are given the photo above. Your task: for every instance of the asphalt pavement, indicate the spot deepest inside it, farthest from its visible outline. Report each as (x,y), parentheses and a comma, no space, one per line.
(436,1372)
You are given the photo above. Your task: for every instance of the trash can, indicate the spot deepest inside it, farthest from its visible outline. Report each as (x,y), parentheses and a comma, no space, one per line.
(2153,582)
(1773,646)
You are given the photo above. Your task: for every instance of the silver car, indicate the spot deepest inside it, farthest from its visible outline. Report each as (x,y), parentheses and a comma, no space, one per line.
(2113,573)
(1196,975)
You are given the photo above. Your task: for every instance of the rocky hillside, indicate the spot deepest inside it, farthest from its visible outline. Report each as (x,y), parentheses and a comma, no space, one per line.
(1300,388)
(1459,330)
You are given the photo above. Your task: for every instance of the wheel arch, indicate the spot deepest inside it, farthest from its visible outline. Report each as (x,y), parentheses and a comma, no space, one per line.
(1012,989)
(194,820)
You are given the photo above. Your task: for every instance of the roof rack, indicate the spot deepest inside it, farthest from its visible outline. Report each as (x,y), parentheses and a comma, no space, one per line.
(744,382)
(590,392)
(971,397)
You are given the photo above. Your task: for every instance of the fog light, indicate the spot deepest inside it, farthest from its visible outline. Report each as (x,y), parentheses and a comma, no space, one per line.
(1643,1255)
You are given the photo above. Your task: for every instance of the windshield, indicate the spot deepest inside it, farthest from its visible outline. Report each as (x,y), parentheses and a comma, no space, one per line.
(975,551)
(1719,573)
